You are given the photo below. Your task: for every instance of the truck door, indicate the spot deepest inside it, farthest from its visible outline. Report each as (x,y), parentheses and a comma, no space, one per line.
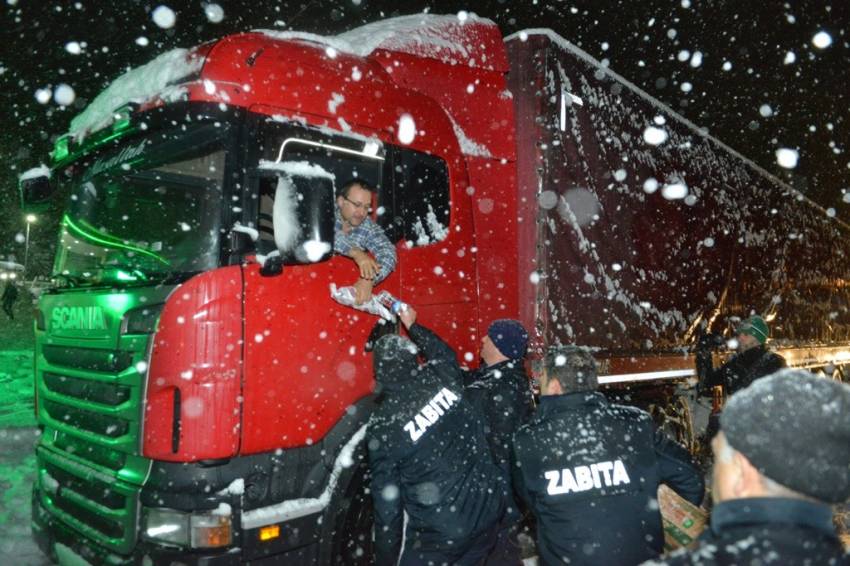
(305,357)
(433,222)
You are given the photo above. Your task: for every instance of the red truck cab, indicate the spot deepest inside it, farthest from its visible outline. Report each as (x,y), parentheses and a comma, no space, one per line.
(201,394)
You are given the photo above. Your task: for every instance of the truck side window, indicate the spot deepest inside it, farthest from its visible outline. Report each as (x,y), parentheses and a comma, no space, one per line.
(421,197)
(340,157)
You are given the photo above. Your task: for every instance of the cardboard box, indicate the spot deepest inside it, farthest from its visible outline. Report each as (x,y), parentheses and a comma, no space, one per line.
(683,521)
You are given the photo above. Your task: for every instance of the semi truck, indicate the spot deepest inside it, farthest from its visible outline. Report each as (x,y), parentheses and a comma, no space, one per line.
(201,397)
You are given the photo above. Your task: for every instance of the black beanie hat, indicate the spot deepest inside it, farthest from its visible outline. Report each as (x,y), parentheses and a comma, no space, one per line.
(509,337)
(395,360)
(794,428)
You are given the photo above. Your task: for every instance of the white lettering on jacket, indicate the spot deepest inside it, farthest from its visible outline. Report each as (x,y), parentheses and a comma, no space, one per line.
(584,478)
(430,413)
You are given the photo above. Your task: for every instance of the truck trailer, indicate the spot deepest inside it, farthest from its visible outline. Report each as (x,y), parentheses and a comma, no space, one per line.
(203,399)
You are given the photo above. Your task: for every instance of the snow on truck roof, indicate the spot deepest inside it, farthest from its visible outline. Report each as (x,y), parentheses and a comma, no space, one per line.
(453,39)
(152,79)
(447,38)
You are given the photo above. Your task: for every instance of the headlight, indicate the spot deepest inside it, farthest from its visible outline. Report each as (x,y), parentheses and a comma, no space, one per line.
(141,320)
(194,530)
(166,526)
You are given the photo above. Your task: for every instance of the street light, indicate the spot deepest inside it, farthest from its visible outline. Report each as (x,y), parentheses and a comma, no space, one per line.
(30,218)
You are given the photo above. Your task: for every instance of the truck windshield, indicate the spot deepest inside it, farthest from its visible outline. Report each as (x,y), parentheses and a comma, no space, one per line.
(142,212)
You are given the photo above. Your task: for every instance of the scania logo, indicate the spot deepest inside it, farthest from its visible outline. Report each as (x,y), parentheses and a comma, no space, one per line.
(77,318)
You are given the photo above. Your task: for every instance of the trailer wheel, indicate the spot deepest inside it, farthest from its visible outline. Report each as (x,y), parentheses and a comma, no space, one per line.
(675,419)
(844,373)
(347,536)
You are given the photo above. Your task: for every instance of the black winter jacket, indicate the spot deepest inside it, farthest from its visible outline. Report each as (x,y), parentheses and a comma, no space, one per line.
(740,370)
(764,531)
(428,458)
(502,394)
(590,471)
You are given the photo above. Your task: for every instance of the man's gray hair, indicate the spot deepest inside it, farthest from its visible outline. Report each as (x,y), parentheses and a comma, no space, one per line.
(772,488)
(573,367)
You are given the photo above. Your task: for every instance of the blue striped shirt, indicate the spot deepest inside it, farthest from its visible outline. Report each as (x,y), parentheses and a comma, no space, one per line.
(371,238)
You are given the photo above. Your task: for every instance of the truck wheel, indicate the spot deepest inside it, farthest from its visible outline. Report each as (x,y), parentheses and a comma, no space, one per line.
(674,418)
(347,539)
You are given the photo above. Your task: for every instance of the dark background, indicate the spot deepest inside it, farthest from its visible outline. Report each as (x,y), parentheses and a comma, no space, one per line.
(809,98)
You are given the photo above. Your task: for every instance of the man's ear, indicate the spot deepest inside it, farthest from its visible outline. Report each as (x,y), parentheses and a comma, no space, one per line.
(748,482)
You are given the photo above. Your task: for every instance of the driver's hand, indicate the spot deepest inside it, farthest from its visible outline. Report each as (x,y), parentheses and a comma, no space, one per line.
(363,291)
(369,268)
(407,316)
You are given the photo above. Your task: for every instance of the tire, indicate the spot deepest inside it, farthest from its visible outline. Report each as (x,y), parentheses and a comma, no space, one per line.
(348,537)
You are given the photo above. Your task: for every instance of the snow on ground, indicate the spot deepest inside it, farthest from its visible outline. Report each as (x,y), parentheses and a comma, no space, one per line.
(17,470)
(16,389)
(17,457)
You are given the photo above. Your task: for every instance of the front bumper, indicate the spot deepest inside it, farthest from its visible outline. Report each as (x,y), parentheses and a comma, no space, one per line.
(61,544)
(65,546)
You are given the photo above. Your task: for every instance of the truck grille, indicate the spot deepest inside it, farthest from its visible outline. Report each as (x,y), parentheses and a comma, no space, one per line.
(83,389)
(88,358)
(87,420)
(89,401)
(110,529)
(95,491)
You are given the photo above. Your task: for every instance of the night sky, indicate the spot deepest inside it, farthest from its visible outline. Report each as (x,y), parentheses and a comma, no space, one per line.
(758,84)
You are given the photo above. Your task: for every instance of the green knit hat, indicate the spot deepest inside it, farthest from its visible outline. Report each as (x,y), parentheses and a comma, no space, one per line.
(756,327)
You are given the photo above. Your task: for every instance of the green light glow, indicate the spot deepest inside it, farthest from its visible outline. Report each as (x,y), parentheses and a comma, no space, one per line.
(120,128)
(117,303)
(61,150)
(111,242)
(122,122)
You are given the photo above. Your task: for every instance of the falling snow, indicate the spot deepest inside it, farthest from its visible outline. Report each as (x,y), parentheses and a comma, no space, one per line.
(613,190)
(164,17)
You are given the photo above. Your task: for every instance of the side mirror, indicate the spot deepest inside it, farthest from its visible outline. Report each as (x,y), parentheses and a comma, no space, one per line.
(36,189)
(304,218)
(272,267)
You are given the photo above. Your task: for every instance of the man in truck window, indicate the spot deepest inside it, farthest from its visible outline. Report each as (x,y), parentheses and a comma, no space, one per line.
(357,236)
(428,458)
(590,469)
(781,458)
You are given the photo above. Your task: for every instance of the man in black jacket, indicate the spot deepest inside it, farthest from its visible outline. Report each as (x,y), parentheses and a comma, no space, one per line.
(428,458)
(590,470)
(499,388)
(500,391)
(781,457)
(10,295)
(752,361)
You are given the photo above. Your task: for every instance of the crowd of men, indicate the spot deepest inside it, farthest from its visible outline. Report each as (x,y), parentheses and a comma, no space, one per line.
(461,456)
(460,460)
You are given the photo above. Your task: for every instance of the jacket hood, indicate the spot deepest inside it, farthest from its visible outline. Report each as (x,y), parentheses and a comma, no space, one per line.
(395,361)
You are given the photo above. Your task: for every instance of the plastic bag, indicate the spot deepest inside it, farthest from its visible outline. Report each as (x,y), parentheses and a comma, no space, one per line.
(346,296)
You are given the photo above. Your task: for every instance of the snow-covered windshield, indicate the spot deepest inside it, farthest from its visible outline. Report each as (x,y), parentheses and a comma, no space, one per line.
(142,212)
